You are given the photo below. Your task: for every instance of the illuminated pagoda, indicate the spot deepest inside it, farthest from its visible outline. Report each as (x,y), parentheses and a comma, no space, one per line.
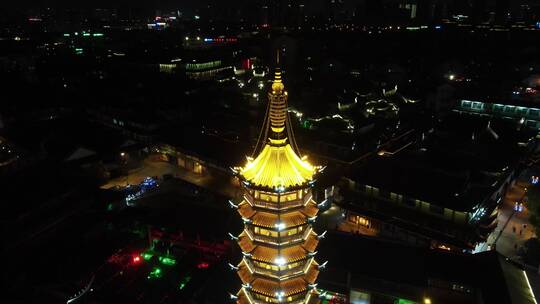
(278,242)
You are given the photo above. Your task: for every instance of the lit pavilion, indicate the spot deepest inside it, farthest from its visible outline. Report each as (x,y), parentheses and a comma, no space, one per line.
(278,242)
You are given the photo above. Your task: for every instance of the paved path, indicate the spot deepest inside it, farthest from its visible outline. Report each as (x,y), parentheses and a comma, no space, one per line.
(513,228)
(218,181)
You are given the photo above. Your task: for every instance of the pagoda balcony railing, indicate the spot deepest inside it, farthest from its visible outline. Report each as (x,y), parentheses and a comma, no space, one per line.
(297,300)
(278,274)
(278,205)
(282,240)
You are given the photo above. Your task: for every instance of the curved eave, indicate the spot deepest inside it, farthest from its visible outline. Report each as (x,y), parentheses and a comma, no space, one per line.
(291,254)
(277,167)
(270,189)
(268,286)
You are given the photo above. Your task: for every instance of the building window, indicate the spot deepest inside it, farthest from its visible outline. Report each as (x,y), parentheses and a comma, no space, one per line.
(269,198)
(477,105)
(461,288)
(509,109)
(360,220)
(265,232)
(197,168)
(289,197)
(522,111)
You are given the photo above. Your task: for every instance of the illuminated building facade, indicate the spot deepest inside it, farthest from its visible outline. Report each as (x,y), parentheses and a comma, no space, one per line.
(278,242)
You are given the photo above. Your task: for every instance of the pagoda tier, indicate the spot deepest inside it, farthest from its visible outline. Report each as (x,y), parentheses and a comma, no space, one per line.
(278,242)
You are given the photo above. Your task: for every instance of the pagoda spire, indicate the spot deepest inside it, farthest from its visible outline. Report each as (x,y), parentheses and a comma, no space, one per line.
(278,107)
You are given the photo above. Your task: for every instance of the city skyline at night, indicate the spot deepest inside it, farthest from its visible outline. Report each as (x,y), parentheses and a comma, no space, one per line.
(270,151)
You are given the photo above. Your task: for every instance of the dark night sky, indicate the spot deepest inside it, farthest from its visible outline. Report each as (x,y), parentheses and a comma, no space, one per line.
(114,3)
(104,3)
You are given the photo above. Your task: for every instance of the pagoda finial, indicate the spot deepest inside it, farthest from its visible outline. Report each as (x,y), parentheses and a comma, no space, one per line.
(278,102)
(277,84)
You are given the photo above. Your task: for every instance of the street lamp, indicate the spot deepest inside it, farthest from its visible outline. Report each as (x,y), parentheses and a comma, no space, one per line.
(123,157)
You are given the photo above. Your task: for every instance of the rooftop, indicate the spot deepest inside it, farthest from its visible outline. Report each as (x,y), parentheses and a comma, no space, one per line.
(278,166)
(413,271)
(456,166)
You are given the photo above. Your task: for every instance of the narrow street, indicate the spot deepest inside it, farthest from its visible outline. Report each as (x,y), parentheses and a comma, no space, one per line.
(513,227)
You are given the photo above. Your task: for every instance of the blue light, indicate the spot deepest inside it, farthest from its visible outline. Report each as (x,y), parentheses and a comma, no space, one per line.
(438,27)
(538,25)
(208,39)
(149,183)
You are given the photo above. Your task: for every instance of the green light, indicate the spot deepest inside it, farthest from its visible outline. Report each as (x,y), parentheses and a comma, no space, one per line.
(403,301)
(86,34)
(184,282)
(67,35)
(110,207)
(98,34)
(147,256)
(155,273)
(167,261)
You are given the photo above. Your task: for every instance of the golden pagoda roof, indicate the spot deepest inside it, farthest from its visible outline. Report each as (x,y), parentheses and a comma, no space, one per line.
(313,297)
(309,275)
(278,166)
(242,298)
(311,242)
(245,210)
(269,255)
(245,243)
(310,210)
(270,220)
(288,287)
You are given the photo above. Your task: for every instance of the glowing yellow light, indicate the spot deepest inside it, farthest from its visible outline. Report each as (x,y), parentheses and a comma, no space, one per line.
(427,301)
(278,167)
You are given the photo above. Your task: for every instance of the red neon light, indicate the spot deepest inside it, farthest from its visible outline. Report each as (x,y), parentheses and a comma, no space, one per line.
(136,259)
(203,265)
